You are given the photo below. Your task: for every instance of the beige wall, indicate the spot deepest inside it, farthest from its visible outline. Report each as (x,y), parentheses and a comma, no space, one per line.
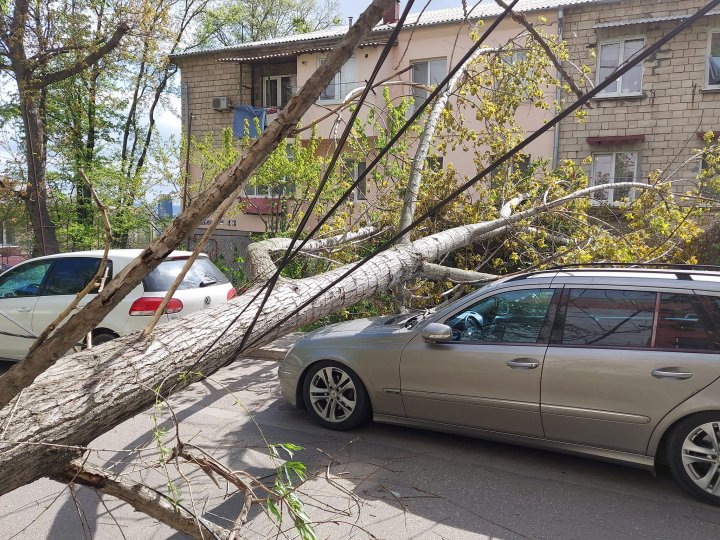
(204,77)
(674,106)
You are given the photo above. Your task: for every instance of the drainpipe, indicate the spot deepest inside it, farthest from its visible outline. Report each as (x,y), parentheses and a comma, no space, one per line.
(558,95)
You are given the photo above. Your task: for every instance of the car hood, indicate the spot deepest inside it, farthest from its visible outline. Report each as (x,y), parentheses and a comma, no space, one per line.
(386,325)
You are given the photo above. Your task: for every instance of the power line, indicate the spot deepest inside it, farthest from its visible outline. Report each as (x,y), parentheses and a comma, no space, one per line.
(289,254)
(620,71)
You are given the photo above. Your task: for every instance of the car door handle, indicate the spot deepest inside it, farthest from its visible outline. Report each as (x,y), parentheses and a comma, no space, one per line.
(671,373)
(523,363)
(24,309)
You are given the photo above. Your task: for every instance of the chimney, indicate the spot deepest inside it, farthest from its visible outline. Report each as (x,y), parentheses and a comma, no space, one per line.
(350,21)
(392,14)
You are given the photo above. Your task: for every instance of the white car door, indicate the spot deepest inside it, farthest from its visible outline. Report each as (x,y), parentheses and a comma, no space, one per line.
(67,277)
(20,289)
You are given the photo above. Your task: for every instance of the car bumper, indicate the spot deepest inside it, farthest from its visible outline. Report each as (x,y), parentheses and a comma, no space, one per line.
(289,376)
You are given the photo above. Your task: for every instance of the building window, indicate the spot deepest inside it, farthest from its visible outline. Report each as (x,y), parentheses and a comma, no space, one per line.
(713,63)
(353,170)
(613,167)
(342,83)
(277,90)
(613,54)
(434,163)
(429,73)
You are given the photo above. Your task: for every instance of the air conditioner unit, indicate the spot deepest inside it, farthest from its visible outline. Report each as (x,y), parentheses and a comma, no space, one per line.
(220,103)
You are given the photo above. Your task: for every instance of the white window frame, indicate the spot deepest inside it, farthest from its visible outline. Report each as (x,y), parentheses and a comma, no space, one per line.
(610,200)
(278,81)
(619,93)
(427,82)
(358,195)
(341,81)
(709,86)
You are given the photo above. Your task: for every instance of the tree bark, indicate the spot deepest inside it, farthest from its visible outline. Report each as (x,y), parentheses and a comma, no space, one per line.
(35,198)
(228,184)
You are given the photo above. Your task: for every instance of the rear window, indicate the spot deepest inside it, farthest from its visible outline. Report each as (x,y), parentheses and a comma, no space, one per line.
(202,273)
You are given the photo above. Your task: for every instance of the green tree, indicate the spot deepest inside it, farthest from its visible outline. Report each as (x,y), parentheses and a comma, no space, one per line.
(229,22)
(43,44)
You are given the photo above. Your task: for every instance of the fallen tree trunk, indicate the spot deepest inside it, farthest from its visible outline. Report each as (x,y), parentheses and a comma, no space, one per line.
(88,393)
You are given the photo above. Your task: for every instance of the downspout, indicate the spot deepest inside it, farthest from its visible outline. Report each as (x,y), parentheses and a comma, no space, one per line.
(558,95)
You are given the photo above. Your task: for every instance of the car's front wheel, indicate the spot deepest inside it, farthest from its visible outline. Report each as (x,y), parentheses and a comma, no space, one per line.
(694,455)
(335,396)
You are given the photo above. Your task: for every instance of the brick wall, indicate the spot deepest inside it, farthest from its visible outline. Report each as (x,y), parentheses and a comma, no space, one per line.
(673,106)
(203,78)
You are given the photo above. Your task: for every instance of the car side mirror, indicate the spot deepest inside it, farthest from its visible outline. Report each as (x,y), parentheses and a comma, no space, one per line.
(437,333)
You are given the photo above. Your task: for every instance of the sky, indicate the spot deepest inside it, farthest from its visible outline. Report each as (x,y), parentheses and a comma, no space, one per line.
(353,8)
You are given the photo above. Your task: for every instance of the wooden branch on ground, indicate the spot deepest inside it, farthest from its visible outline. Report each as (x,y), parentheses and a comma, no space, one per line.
(140,497)
(68,405)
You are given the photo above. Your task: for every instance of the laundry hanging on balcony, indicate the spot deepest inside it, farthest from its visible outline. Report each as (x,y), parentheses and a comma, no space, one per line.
(245,116)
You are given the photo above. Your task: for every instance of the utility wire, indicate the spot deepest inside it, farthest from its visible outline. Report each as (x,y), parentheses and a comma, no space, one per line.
(269,285)
(621,70)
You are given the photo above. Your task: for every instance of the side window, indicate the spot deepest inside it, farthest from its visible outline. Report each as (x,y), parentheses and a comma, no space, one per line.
(69,276)
(508,317)
(608,318)
(25,280)
(688,322)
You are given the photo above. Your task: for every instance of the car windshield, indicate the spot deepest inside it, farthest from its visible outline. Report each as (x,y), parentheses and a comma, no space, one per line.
(202,273)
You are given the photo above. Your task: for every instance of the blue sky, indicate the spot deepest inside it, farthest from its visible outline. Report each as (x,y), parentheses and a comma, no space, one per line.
(353,8)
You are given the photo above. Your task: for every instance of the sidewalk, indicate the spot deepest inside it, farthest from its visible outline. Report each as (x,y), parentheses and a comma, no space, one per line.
(278,348)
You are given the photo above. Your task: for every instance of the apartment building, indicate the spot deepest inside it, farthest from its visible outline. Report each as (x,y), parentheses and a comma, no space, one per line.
(265,74)
(654,117)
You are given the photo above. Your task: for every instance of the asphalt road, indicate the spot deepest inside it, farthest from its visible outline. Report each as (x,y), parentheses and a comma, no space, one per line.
(380,481)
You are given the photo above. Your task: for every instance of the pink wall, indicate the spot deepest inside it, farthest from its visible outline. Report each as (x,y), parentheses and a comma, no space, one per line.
(446,40)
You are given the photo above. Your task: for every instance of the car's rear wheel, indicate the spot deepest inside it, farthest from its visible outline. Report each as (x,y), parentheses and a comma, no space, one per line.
(694,455)
(102,337)
(335,396)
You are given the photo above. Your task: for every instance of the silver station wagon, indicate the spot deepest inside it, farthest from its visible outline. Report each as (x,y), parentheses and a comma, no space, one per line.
(617,363)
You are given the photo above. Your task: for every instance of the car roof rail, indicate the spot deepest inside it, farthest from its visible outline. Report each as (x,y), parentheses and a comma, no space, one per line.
(655,266)
(681,271)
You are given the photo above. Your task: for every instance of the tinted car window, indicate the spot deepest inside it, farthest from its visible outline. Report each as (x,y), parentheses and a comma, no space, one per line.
(608,318)
(688,322)
(25,280)
(509,317)
(202,273)
(71,275)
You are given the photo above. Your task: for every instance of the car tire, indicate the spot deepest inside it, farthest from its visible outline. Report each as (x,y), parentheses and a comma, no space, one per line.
(693,452)
(335,396)
(102,337)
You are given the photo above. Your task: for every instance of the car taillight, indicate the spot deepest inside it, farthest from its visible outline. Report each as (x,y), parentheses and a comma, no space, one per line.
(232,293)
(148,305)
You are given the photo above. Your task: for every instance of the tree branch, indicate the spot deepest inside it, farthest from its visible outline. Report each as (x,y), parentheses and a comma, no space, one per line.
(437,272)
(106,48)
(142,498)
(261,264)
(521,19)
